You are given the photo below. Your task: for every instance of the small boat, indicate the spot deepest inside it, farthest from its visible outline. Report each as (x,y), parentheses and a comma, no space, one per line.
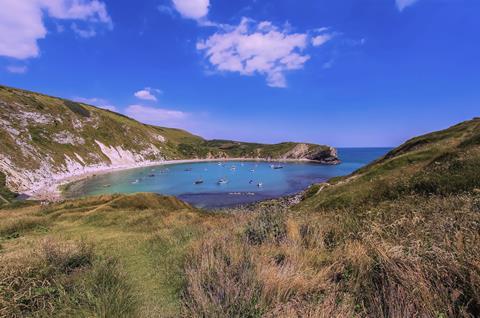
(250,182)
(276,167)
(222,181)
(259,184)
(198,182)
(189,169)
(252,170)
(107,185)
(233,168)
(135,181)
(151,175)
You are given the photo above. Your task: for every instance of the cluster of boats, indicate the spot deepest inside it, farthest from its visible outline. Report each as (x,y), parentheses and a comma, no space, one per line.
(221,181)
(225,181)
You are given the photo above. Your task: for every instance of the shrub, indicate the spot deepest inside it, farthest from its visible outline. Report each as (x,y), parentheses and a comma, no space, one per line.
(268,225)
(77,108)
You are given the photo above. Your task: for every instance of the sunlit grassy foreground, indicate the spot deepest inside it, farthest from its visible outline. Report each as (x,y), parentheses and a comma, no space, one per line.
(110,256)
(399,238)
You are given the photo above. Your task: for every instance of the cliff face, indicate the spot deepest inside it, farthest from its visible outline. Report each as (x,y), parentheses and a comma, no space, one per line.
(44,139)
(323,154)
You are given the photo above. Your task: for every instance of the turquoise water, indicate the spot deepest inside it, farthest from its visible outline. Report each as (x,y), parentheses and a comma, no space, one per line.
(245,182)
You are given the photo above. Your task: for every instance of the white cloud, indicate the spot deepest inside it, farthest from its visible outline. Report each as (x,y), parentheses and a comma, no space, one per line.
(257,48)
(95,101)
(84,33)
(321,39)
(402,4)
(192,9)
(22,25)
(156,116)
(148,93)
(17,69)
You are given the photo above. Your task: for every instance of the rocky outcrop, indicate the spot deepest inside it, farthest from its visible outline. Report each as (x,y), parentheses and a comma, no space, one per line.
(321,154)
(44,139)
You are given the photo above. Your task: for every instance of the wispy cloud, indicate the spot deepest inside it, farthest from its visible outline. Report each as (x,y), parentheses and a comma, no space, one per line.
(259,48)
(148,93)
(22,22)
(84,33)
(156,116)
(402,4)
(17,69)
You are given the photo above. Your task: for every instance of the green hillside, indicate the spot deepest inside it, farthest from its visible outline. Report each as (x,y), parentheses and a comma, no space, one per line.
(44,137)
(397,238)
(443,163)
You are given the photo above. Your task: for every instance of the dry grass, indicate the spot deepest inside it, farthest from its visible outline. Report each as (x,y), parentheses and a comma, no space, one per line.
(47,268)
(63,279)
(415,257)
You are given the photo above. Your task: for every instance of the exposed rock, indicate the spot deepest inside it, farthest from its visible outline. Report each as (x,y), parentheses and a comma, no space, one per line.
(45,139)
(325,155)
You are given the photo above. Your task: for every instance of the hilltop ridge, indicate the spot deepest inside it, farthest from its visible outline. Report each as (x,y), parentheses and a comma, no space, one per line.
(45,139)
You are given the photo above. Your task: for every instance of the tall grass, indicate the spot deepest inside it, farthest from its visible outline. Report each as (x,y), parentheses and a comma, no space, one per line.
(63,279)
(413,257)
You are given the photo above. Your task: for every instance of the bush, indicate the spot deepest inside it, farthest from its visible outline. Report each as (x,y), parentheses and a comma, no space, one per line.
(268,225)
(77,108)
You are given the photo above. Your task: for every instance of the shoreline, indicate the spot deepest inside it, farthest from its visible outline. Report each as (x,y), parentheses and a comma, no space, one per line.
(52,192)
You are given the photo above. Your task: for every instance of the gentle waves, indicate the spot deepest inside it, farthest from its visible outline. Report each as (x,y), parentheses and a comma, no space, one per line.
(222,184)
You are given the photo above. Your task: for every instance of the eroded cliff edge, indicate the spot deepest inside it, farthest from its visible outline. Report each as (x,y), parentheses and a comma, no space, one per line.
(45,139)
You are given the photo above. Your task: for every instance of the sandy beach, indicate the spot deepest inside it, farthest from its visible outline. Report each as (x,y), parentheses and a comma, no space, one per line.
(51,190)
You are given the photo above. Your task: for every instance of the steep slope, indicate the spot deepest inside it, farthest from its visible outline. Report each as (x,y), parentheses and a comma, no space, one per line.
(398,238)
(443,162)
(44,139)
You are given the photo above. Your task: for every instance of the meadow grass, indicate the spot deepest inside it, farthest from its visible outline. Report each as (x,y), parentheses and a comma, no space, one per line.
(107,256)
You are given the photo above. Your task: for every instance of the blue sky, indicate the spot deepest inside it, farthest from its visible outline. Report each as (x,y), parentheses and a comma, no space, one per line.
(344,72)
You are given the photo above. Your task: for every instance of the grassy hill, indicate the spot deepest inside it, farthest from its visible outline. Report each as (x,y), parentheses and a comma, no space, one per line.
(44,138)
(397,238)
(108,256)
(444,162)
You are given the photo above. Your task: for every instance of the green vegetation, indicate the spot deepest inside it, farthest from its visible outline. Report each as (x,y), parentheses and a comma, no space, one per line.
(35,126)
(6,196)
(77,108)
(397,238)
(108,256)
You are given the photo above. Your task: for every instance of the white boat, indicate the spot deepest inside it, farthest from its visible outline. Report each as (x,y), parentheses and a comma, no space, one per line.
(260,185)
(135,182)
(222,181)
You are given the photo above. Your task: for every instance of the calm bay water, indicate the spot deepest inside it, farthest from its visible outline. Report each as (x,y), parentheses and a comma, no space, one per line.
(245,182)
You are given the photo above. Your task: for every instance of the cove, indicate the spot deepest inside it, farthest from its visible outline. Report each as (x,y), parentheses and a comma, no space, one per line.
(222,184)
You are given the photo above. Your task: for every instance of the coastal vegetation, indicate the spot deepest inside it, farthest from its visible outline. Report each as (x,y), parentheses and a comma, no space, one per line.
(397,238)
(44,138)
